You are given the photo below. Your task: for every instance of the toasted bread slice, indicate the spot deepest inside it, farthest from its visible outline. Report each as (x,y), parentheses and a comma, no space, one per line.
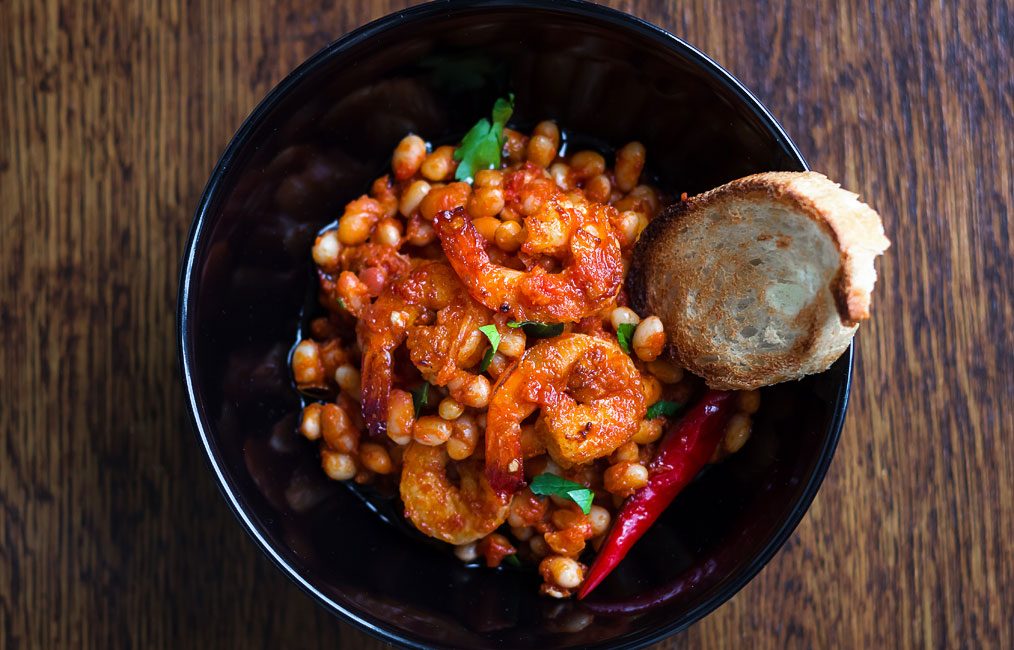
(759,281)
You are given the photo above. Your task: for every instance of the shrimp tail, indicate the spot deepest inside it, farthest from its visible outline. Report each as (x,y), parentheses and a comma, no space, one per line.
(376,391)
(504,467)
(504,484)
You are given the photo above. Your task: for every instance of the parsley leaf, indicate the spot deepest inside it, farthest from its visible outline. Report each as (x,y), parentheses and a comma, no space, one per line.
(551,484)
(341,303)
(502,111)
(537,330)
(421,397)
(663,408)
(481,146)
(512,560)
(583,498)
(494,342)
(625,334)
(486,360)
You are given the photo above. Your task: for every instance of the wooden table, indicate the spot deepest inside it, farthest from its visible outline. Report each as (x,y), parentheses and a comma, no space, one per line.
(112,533)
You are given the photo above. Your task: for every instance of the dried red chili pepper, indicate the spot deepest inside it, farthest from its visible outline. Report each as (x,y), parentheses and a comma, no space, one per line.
(684,451)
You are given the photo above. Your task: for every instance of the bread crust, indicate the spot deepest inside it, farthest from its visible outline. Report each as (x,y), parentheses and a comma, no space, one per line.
(854,229)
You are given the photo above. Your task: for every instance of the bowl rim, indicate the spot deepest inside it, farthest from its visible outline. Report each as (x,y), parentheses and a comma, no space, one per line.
(185,335)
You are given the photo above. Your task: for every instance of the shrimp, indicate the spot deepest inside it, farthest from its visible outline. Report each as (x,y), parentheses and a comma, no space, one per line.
(456,514)
(444,350)
(591,402)
(565,226)
(363,272)
(384,326)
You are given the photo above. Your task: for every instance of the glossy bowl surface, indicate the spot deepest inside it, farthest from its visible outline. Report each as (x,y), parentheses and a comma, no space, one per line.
(316,142)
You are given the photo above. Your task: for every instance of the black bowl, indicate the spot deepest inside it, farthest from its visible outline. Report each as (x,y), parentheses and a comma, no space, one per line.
(316,142)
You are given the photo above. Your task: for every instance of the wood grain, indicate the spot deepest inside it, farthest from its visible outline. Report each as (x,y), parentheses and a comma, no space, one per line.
(112,533)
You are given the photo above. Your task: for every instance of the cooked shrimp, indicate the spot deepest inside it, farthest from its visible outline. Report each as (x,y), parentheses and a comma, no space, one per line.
(384,326)
(568,227)
(443,351)
(456,514)
(363,272)
(591,399)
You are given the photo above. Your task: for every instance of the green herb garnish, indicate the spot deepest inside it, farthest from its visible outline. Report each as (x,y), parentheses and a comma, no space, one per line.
(512,560)
(421,397)
(482,145)
(625,334)
(537,330)
(551,484)
(494,342)
(663,408)
(341,303)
